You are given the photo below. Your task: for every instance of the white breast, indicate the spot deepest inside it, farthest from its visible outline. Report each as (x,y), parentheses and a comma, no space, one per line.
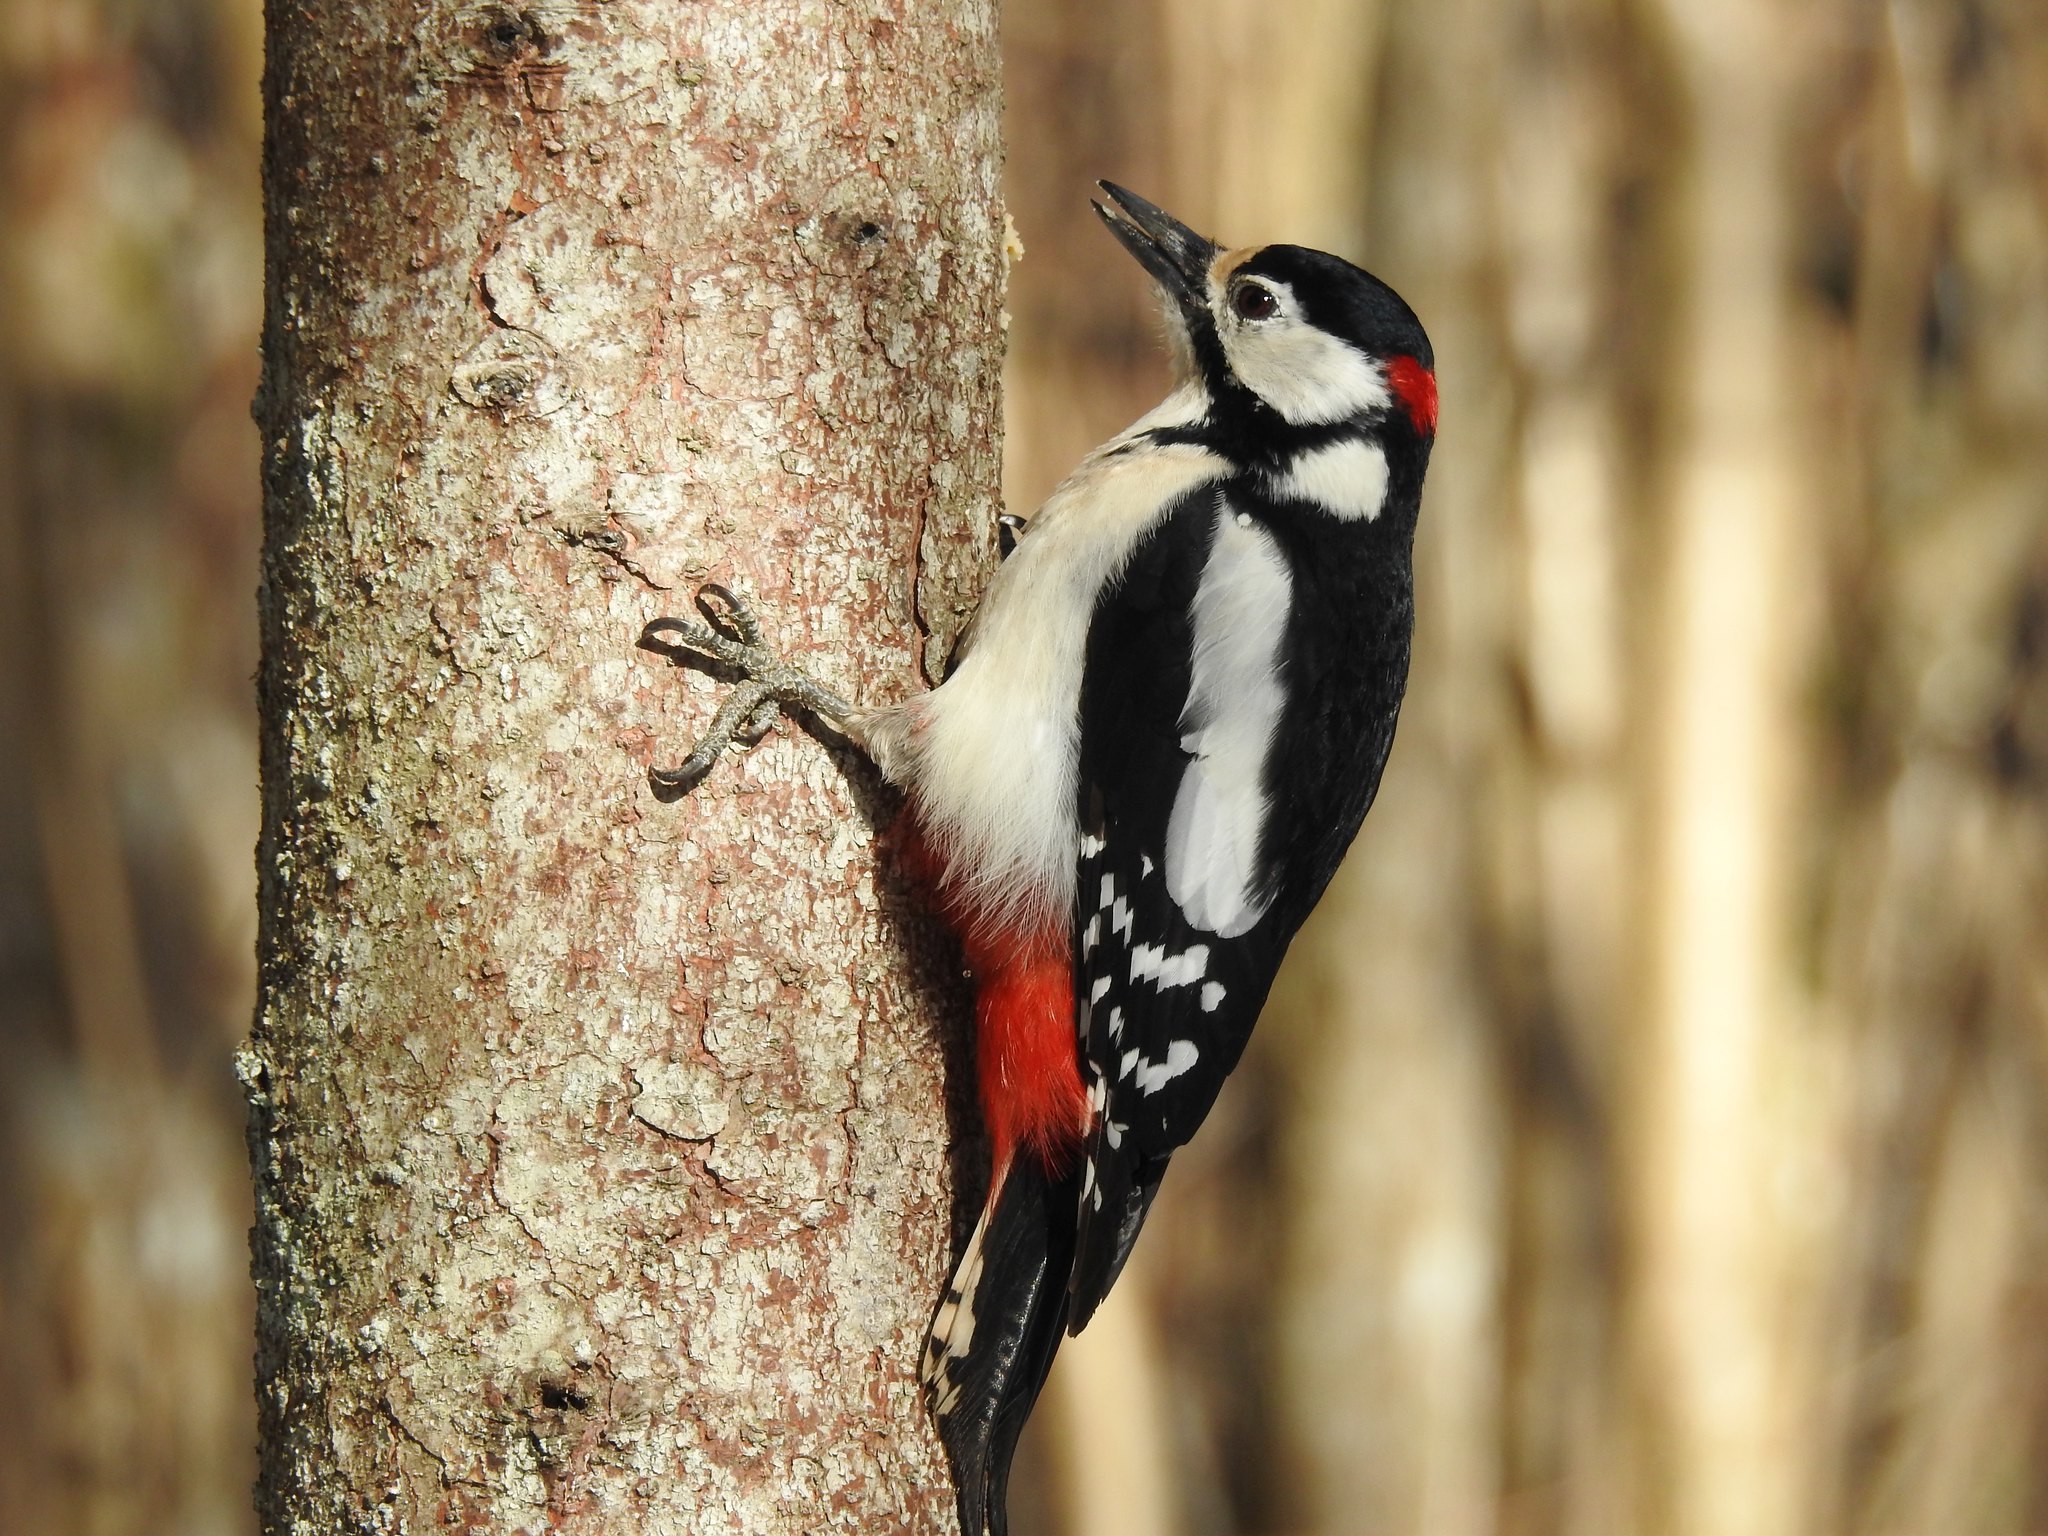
(993,753)
(1233,708)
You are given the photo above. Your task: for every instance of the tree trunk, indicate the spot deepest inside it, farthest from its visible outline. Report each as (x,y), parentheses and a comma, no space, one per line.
(601,1144)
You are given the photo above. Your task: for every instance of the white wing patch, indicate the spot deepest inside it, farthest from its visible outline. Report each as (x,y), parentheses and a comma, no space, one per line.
(1234,704)
(1347,479)
(1151,1076)
(1151,962)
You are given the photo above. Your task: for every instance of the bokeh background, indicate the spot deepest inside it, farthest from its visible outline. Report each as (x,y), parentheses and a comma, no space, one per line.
(1651,1132)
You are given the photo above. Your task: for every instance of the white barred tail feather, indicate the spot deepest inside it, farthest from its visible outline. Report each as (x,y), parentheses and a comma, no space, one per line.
(994,1336)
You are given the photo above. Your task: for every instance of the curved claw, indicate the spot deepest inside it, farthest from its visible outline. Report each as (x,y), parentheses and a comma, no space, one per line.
(669,634)
(744,717)
(670,782)
(737,613)
(655,631)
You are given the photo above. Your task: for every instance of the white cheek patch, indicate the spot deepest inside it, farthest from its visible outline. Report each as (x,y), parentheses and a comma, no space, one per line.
(1348,479)
(1307,375)
(1234,704)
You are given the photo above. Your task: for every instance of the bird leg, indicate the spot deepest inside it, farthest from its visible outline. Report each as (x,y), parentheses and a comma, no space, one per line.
(730,634)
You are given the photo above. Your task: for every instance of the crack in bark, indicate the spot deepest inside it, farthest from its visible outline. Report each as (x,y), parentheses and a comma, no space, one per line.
(611,544)
(406,1433)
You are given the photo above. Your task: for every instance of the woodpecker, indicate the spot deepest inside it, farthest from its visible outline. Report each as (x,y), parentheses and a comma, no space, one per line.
(1159,734)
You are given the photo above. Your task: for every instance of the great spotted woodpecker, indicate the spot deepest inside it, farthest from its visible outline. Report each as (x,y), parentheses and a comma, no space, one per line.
(1159,735)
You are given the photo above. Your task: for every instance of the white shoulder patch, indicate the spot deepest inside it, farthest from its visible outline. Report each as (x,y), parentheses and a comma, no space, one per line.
(1347,479)
(1234,703)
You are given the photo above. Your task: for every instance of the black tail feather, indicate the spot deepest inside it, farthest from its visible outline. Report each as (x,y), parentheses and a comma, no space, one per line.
(1109,1225)
(994,1339)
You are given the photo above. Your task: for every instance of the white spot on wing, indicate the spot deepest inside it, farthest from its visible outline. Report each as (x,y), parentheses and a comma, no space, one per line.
(1150,962)
(1120,917)
(1346,479)
(1151,1076)
(1234,704)
(1212,995)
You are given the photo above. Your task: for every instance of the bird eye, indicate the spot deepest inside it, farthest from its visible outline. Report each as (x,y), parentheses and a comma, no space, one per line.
(1253,301)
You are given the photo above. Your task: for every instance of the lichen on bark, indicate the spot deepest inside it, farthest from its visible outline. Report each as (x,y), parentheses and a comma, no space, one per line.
(601,1144)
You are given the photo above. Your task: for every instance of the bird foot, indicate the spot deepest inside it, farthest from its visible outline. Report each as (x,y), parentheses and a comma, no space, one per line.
(731,635)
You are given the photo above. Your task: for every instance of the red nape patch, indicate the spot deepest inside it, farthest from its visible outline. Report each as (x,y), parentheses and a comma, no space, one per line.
(1416,387)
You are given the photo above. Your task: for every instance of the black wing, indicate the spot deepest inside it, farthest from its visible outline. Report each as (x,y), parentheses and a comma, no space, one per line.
(1163,1008)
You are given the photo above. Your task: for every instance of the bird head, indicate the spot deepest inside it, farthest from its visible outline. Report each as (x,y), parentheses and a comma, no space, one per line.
(1281,334)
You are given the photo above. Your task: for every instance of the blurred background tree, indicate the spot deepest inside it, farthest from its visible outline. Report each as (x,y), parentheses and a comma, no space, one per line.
(130,276)
(1649,1135)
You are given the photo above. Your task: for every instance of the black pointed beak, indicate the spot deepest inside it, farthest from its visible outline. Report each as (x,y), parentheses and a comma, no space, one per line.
(1177,257)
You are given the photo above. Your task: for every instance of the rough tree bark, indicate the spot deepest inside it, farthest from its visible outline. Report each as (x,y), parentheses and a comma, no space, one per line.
(601,1145)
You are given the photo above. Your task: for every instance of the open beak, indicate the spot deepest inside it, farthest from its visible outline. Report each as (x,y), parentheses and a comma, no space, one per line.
(1177,257)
